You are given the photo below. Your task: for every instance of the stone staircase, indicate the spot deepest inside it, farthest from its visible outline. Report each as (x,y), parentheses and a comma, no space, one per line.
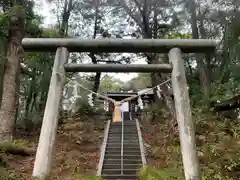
(122,158)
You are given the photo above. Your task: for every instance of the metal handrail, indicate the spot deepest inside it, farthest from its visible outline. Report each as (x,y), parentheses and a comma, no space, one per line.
(142,150)
(122,144)
(103,149)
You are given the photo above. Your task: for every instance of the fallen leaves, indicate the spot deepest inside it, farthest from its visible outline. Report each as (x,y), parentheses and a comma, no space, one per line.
(77,152)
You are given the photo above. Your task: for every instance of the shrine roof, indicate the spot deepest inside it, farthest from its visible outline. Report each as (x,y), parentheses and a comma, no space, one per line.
(146,89)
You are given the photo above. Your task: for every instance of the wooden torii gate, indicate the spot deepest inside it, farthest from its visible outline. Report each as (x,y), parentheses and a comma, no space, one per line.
(174,48)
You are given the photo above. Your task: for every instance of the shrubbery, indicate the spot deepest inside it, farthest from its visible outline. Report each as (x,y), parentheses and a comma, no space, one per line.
(218,143)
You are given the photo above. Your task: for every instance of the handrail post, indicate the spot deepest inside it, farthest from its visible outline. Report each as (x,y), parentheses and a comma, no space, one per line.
(122,141)
(141,145)
(103,149)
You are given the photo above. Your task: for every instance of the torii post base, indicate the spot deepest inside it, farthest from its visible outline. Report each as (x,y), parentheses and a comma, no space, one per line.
(117,113)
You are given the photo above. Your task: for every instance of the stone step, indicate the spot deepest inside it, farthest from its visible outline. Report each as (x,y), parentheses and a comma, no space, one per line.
(125,166)
(120,177)
(124,124)
(125,144)
(131,159)
(131,153)
(125,152)
(118,148)
(124,130)
(125,161)
(125,156)
(119,134)
(125,139)
(124,127)
(125,148)
(119,171)
(126,136)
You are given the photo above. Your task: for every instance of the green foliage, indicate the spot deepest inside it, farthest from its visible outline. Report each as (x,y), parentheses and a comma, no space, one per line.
(10,177)
(217,146)
(85,109)
(110,84)
(221,23)
(4,22)
(36,82)
(155,111)
(143,80)
(178,36)
(151,173)
(17,10)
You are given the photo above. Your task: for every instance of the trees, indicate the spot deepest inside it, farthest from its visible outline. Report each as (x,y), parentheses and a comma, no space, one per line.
(142,81)
(218,76)
(197,32)
(213,20)
(11,81)
(25,86)
(151,18)
(132,19)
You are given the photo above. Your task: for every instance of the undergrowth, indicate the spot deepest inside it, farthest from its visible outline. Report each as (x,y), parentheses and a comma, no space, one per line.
(14,177)
(76,152)
(151,173)
(218,144)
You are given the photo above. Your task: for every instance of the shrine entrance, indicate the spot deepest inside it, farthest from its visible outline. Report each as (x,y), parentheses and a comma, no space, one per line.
(174,48)
(126,107)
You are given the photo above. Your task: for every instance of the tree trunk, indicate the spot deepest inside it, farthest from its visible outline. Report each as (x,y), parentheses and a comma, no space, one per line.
(2,66)
(27,121)
(63,32)
(68,6)
(149,32)
(155,80)
(205,66)
(166,94)
(11,80)
(43,101)
(96,84)
(93,57)
(202,70)
(200,62)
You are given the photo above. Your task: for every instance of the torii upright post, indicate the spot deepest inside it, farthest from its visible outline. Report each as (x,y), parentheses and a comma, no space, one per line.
(42,165)
(184,117)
